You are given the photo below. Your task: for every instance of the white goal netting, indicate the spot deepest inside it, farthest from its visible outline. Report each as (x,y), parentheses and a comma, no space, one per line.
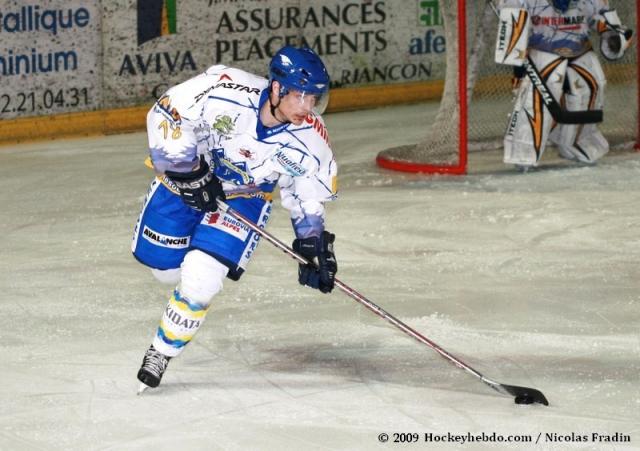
(490,99)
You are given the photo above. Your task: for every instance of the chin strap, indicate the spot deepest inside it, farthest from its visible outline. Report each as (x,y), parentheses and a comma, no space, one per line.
(272,108)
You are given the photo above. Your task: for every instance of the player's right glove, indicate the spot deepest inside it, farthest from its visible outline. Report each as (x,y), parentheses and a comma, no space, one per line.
(321,272)
(199,188)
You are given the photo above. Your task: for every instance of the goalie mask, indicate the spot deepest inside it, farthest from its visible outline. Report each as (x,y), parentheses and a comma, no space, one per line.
(561,5)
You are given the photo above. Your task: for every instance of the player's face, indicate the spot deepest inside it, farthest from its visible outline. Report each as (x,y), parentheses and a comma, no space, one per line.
(296,106)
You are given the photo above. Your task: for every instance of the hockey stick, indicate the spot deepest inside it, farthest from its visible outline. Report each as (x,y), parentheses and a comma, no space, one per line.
(523,395)
(559,114)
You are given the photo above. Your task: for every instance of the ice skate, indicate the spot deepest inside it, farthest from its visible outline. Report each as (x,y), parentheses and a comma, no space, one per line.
(154,364)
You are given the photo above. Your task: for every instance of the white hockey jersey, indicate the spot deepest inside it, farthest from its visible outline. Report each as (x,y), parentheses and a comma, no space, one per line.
(565,34)
(216,114)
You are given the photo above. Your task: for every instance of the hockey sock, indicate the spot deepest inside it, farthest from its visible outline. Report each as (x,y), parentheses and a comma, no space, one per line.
(180,322)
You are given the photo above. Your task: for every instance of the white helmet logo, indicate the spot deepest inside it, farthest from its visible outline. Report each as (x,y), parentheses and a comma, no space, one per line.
(285,60)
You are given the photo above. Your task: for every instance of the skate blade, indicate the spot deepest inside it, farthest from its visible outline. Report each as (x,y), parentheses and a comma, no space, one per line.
(142,388)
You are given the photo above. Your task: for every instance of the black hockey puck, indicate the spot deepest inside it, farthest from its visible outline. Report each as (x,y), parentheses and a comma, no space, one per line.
(524,399)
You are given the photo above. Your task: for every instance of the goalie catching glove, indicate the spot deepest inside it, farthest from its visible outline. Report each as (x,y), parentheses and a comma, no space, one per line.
(614,38)
(613,43)
(321,272)
(199,188)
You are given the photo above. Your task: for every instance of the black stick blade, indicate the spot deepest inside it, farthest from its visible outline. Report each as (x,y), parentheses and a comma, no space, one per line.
(522,395)
(525,395)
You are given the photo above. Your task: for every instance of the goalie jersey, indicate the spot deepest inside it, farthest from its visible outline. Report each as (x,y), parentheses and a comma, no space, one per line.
(565,34)
(216,114)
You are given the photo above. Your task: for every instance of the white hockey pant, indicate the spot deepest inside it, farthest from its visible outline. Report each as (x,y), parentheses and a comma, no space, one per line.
(531,123)
(201,278)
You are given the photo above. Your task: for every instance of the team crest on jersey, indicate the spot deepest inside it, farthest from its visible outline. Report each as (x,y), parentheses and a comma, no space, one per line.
(224,125)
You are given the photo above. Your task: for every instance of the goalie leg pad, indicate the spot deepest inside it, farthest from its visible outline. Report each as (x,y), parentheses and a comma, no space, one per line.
(530,123)
(586,82)
(202,277)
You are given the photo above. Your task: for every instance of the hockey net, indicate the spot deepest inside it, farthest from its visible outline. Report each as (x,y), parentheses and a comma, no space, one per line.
(475,118)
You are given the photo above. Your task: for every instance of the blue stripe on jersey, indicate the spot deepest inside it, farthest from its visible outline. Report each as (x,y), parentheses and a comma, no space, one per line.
(288,146)
(298,139)
(254,107)
(326,187)
(224,99)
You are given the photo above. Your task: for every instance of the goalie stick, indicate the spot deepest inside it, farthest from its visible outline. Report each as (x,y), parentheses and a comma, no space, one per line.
(522,395)
(559,114)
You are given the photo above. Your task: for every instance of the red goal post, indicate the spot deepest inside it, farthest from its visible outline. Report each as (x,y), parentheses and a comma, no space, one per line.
(477,98)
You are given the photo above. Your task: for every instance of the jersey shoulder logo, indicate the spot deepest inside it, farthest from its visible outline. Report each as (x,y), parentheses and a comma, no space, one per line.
(164,104)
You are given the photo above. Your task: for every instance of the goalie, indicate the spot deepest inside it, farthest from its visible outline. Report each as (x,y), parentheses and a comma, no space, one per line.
(549,40)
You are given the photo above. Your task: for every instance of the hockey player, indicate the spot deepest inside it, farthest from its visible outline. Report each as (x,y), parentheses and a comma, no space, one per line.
(554,35)
(232,135)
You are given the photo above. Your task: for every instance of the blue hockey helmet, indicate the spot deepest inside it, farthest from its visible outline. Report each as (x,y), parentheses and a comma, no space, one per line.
(302,70)
(561,5)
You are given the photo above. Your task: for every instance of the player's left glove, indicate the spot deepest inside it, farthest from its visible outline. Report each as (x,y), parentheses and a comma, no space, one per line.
(199,188)
(321,272)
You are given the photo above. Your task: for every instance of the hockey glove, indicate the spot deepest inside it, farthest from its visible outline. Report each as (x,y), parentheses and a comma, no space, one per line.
(321,272)
(199,188)
(613,43)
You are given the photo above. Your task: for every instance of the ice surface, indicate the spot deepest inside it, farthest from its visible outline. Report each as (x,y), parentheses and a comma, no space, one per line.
(532,279)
